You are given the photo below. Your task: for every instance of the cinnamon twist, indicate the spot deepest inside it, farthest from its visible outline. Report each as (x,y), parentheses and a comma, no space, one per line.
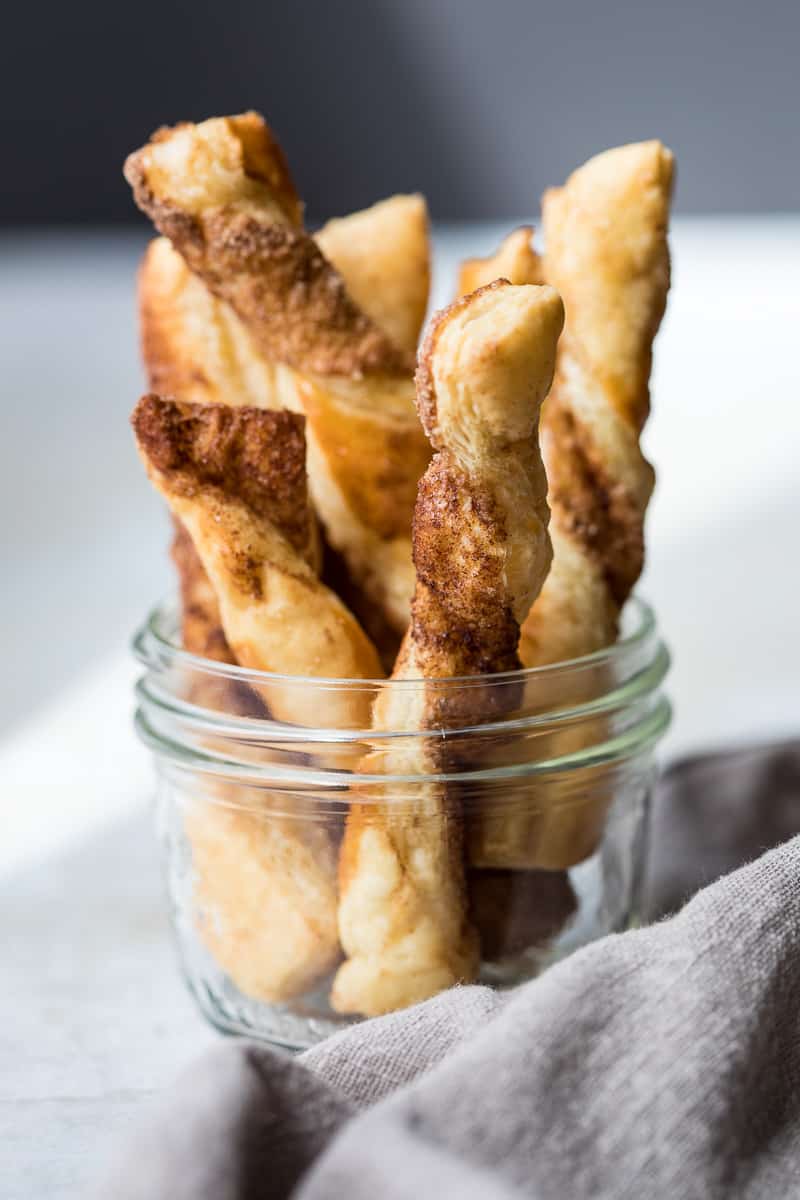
(235,478)
(264,886)
(194,347)
(606,251)
(222,194)
(481,552)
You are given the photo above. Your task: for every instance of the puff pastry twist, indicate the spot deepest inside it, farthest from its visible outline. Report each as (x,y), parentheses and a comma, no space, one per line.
(235,478)
(606,252)
(481,551)
(195,347)
(265,886)
(222,194)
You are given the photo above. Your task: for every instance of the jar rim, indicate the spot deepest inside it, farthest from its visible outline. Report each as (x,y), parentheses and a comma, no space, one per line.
(152,646)
(639,740)
(614,694)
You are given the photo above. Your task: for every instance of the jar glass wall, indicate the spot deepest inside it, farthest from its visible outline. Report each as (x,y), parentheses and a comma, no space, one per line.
(542,780)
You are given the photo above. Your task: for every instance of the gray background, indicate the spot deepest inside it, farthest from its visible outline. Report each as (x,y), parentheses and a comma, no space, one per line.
(478,103)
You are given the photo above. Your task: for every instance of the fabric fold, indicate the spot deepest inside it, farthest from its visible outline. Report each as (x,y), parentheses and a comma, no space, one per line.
(658,1063)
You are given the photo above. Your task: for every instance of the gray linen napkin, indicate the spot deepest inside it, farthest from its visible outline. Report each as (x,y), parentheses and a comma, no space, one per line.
(714,812)
(658,1063)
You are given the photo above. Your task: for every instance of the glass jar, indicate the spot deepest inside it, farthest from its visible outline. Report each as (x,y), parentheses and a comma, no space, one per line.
(546,791)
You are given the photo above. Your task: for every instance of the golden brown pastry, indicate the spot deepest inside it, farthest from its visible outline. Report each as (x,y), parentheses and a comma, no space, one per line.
(383,255)
(265,886)
(515,260)
(481,552)
(264,895)
(194,347)
(606,252)
(221,193)
(235,478)
(202,634)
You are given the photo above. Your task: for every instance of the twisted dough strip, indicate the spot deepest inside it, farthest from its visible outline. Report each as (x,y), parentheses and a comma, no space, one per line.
(265,887)
(202,634)
(195,347)
(513,909)
(481,552)
(264,894)
(606,251)
(235,478)
(221,193)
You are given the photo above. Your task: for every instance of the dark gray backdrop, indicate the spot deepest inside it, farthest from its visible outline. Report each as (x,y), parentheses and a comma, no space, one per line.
(479,103)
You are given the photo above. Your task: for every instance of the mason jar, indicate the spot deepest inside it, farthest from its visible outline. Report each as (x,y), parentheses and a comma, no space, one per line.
(546,794)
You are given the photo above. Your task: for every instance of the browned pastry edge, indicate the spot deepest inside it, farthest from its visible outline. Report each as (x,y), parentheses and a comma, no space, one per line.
(423,379)
(247,512)
(170,371)
(375,461)
(593,508)
(263,158)
(201,624)
(366,451)
(606,250)
(272,274)
(252,454)
(462,620)
(383,254)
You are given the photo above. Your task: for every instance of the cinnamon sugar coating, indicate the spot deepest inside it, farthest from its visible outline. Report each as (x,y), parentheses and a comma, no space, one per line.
(236,480)
(211,189)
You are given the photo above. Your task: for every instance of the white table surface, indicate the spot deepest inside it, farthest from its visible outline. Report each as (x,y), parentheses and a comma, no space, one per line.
(94,1018)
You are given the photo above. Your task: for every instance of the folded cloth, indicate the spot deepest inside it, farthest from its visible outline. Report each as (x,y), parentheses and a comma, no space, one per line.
(664,1062)
(714,812)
